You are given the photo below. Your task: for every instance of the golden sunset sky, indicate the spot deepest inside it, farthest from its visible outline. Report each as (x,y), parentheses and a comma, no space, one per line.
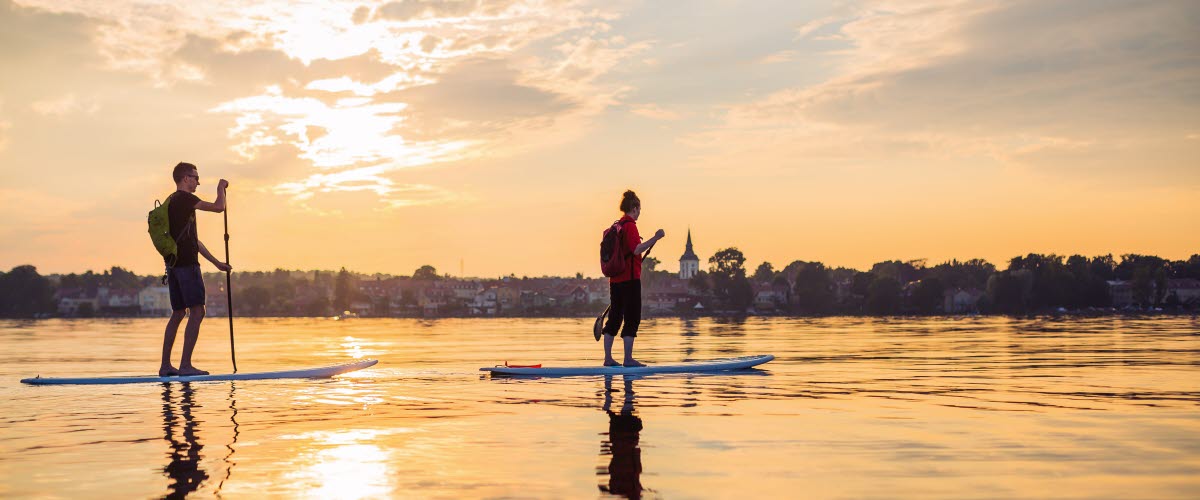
(500,135)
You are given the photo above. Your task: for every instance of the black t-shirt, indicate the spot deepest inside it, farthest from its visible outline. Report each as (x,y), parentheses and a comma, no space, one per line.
(182,215)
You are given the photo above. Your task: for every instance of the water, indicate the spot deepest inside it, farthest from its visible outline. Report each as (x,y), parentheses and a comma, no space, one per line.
(850,408)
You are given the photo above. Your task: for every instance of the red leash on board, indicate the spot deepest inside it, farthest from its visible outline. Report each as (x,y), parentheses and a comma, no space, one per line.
(506,365)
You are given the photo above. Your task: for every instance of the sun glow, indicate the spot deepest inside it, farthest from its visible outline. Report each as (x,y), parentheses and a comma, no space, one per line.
(347,471)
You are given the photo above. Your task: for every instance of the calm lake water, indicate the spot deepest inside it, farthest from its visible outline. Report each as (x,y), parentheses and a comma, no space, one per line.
(850,408)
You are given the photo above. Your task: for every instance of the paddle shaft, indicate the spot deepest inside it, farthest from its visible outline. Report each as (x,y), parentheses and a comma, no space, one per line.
(229,287)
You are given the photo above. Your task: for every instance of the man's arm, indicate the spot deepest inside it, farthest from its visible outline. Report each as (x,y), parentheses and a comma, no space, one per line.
(216,206)
(204,251)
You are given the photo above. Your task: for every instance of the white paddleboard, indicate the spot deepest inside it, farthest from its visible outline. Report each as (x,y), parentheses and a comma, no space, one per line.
(323,372)
(711,365)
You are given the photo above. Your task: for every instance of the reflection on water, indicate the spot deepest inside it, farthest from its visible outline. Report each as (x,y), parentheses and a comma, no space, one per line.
(180,431)
(228,460)
(342,464)
(624,468)
(850,408)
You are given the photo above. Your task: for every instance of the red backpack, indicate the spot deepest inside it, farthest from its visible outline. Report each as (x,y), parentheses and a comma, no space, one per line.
(614,259)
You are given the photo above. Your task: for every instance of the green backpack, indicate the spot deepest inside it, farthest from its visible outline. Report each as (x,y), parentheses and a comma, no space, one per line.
(159,221)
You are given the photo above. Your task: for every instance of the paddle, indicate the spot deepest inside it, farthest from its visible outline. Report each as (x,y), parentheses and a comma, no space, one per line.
(229,286)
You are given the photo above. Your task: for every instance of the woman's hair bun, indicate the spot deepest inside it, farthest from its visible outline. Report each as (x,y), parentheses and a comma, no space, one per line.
(630,201)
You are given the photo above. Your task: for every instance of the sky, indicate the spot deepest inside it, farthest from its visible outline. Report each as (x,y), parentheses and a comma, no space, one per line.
(496,138)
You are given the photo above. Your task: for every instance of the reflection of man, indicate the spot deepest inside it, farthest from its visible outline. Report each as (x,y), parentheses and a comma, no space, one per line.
(184,470)
(625,466)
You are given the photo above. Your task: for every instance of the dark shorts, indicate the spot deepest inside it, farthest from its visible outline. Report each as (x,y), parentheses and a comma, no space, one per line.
(186,287)
(626,311)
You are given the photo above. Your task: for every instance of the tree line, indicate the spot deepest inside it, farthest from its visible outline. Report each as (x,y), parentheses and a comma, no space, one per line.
(1029,284)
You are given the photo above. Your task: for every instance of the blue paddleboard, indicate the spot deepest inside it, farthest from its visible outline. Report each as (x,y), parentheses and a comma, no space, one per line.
(711,365)
(323,372)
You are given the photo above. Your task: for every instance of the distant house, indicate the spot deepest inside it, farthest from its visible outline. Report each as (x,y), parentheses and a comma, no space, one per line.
(154,300)
(665,295)
(1185,290)
(433,299)
(1121,292)
(119,301)
(598,291)
(486,302)
(769,296)
(568,293)
(216,302)
(73,301)
(508,299)
(534,300)
(461,289)
(961,300)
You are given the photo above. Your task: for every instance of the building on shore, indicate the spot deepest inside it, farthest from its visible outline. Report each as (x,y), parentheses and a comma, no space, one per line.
(154,300)
(689,263)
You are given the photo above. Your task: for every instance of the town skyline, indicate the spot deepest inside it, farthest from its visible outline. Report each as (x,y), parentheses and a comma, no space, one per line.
(1031,283)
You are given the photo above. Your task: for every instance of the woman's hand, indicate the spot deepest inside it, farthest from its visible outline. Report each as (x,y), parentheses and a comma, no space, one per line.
(658,235)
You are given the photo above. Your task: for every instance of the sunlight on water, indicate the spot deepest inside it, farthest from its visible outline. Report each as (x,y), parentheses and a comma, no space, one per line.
(850,408)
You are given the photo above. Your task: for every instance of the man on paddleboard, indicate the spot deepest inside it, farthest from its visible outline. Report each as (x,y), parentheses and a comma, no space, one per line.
(183,269)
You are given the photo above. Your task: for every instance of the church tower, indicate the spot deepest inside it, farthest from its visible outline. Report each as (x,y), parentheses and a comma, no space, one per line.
(689,264)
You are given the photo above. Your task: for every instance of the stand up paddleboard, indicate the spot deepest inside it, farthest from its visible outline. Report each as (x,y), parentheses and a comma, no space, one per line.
(712,365)
(323,372)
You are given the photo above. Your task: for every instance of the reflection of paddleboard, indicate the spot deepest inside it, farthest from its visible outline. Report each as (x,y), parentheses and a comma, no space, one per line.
(323,372)
(711,365)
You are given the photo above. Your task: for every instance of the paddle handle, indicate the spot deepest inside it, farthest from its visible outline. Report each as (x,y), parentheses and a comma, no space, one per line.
(229,288)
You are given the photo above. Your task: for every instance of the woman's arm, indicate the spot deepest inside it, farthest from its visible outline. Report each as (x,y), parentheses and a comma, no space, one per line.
(648,244)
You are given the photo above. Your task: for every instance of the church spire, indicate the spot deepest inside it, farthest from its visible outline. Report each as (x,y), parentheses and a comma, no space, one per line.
(689,263)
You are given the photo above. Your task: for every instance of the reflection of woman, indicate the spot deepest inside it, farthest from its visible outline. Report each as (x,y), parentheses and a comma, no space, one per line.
(626,289)
(184,469)
(624,428)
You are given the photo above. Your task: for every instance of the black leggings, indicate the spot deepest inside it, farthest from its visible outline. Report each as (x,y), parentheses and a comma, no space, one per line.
(626,306)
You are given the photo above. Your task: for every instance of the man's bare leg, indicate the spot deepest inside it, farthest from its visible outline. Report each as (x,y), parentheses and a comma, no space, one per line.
(190,333)
(166,370)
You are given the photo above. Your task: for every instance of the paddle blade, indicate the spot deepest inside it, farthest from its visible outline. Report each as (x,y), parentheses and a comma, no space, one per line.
(598,327)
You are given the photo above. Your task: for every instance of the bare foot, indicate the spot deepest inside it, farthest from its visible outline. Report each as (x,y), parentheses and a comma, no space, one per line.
(632,363)
(191,370)
(611,362)
(168,371)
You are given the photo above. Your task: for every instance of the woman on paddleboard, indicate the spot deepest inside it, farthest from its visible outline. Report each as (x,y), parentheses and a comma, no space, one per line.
(625,289)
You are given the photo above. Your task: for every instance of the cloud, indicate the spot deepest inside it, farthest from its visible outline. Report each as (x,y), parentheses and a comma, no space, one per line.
(654,112)
(949,80)
(403,84)
(64,105)
(475,97)
(361,14)
(407,10)
(808,28)
(779,57)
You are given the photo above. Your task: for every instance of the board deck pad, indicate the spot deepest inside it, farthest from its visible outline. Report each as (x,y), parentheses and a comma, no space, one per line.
(322,372)
(699,366)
